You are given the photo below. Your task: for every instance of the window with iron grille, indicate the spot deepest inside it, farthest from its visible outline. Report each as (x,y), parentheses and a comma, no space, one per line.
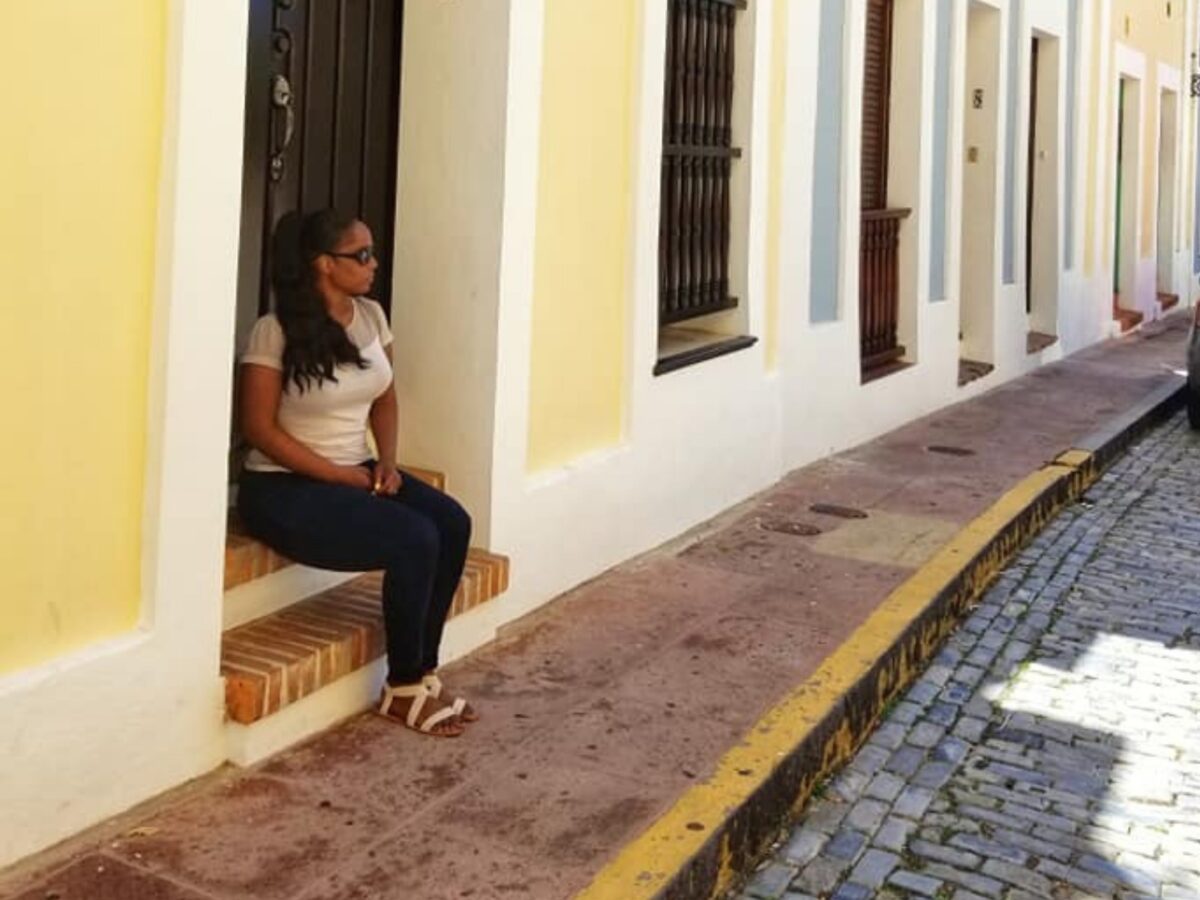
(698,154)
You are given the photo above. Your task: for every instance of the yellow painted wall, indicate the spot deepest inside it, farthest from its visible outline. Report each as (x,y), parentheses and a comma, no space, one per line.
(79,168)
(1145,27)
(584,216)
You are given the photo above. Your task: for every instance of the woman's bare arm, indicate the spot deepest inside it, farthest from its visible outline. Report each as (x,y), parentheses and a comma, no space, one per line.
(261,389)
(384,418)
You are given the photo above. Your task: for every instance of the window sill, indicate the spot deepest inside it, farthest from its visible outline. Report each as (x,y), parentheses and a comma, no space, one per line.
(679,348)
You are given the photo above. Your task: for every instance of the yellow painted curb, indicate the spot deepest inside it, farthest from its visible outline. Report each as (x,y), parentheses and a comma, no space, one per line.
(1076,459)
(653,860)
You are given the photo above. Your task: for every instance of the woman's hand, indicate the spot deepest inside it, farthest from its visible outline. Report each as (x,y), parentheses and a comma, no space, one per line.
(353,476)
(386,480)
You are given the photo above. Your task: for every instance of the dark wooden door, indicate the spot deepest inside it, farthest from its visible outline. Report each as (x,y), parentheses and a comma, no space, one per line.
(879,235)
(322,117)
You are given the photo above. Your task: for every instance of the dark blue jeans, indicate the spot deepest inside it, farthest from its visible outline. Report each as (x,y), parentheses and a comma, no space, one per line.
(419,537)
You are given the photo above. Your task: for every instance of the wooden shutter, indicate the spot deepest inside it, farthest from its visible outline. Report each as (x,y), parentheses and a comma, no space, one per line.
(877,84)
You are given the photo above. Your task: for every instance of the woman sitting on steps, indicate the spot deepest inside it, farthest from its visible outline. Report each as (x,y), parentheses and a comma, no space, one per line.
(316,374)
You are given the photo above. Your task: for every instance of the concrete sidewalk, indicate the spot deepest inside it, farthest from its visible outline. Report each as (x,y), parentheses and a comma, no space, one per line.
(646,733)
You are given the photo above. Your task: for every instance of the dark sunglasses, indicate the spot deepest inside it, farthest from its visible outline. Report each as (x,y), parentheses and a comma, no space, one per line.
(362,256)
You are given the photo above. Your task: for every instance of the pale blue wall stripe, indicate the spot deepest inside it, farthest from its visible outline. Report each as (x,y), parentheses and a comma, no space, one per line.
(941,138)
(1069,168)
(827,165)
(1010,162)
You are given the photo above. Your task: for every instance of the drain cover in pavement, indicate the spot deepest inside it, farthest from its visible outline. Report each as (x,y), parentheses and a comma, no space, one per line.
(787,526)
(950,451)
(842,512)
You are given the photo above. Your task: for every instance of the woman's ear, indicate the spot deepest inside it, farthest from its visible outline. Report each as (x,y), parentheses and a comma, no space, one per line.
(324,264)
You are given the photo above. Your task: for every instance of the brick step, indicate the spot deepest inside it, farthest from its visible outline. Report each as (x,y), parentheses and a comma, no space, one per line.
(279,659)
(1127,318)
(247,559)
(1167,301)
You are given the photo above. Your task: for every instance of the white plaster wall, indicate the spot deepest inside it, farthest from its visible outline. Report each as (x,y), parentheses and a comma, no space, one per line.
(1169,195)
(910,139)
(1168,184)
(91,734)
(795,231)
(979,162)
(1085,307)
(559,525)
(697,440)
(1099,23)
(1049,20)
(824,407)
(1085,302)
(1139,274)
(1186,279)
(1135,288)
(450,200)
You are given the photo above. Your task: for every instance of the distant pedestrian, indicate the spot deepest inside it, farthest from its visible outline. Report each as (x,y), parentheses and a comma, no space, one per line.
(315,378)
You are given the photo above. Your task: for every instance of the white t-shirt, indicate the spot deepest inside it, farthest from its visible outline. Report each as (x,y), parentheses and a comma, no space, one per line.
(330,420)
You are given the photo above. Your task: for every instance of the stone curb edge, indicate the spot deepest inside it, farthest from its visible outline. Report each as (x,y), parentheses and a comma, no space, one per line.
(721,826)
(1110,440)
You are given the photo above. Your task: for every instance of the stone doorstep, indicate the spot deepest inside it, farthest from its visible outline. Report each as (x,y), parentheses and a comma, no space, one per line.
(1037,341)
(1128,319)
(276,660)
(971,369)
(247,559)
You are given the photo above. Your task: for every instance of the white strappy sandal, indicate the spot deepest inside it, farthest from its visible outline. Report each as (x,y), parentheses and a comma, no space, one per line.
(418,693)
(435,686)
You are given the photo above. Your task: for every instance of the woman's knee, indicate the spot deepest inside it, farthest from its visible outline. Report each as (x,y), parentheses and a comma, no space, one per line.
(420,543)
(456,525)
(452,521)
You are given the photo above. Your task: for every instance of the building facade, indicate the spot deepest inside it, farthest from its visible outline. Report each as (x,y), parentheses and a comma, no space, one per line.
(642,258)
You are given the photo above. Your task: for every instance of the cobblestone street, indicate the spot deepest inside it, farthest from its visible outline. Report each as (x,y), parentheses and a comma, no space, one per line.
(1053,748)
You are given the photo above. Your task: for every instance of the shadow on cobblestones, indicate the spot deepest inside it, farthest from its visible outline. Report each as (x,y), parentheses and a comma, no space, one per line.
(1052,748)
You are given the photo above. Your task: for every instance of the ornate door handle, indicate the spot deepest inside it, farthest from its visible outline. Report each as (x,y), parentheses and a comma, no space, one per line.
(283,99)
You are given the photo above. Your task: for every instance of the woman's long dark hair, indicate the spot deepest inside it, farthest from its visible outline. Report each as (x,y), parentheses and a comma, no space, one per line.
(315,343)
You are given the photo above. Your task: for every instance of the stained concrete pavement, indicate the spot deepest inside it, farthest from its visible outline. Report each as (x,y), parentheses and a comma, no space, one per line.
(603,709)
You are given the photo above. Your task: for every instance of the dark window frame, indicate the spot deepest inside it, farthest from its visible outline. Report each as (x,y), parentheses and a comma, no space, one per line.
(695,214)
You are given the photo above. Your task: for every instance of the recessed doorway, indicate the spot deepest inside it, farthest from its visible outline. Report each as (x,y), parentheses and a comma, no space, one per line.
(1168,154)
(1042,228)
(981,131)
(321,129)
(1125,206)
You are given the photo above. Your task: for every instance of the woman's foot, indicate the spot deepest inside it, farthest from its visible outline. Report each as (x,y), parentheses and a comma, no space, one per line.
(415,706)
(464,710)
